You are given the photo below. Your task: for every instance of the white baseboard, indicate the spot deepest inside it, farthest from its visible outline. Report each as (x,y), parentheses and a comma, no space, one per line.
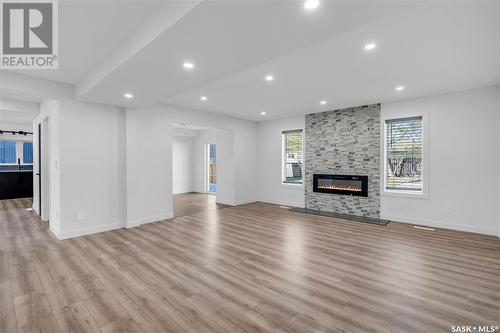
(283,203)
(88,231)
(237,203)
(244,202)
(149,219)
(35,209)
(183,192)
(440,224)
(225,203)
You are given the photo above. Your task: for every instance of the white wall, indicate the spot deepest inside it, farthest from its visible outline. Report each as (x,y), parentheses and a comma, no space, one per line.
(92,163)
(183,164)
(270,188)
(185,132)
(92,173)
(87,167)
(149,194)
(463,143)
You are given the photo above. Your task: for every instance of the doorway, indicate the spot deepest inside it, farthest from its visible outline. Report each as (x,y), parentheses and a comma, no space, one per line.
(39,173)
(44,168)
(211,168)
(196,180)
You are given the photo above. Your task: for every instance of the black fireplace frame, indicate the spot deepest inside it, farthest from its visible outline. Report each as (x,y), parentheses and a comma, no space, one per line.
(362,193)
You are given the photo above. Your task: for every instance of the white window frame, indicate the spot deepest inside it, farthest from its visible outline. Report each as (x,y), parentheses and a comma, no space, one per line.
(424,194)
(283,161)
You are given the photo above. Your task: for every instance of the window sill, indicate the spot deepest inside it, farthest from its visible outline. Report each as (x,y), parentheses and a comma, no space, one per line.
(292,186)
(404,194)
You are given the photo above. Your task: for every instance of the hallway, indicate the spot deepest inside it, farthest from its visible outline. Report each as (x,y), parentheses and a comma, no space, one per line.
(190,203)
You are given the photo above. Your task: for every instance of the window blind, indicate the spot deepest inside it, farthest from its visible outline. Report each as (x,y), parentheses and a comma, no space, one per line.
(27,152)
(404,154)
(7,152)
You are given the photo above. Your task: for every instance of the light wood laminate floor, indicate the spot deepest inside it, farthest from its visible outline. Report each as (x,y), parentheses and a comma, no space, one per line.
(252,268)
(194,202)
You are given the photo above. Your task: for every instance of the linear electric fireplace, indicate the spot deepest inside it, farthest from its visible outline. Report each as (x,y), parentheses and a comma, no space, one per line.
(341,184)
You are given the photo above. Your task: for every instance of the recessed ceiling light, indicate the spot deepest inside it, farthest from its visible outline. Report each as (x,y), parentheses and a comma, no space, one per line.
(311,4)
(128,95)
(400,88)
(263,113)
(269,78)
(370,46)
(203,98)
(188,65)
(322,102)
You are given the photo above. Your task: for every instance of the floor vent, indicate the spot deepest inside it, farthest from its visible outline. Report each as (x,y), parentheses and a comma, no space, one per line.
(423,228)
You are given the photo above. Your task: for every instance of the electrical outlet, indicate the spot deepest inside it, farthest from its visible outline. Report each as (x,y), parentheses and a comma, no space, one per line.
(79,215)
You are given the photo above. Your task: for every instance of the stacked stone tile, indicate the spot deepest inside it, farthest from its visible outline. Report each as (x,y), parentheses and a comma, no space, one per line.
(345,142)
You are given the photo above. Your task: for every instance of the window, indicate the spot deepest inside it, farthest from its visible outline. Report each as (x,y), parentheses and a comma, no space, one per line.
(212,167)
(404,155)
(292,157)
(7,152)
(27,153)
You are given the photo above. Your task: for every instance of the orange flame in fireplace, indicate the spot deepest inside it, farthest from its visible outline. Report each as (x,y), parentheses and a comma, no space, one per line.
(342,188)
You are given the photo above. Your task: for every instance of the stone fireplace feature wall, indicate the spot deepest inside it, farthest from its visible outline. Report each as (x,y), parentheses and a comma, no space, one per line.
(345,142)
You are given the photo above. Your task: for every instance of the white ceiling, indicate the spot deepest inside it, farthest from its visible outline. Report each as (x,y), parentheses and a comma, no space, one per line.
(430,47)
(16,115)
(9,119)
(88,31)
(224,37)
